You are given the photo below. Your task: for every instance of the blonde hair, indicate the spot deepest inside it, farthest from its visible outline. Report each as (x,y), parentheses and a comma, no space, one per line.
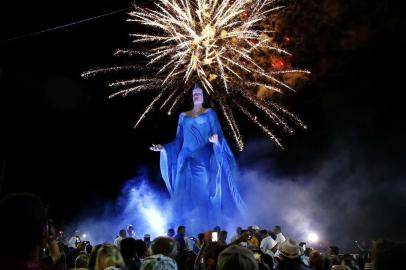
(109,255)
(82,261)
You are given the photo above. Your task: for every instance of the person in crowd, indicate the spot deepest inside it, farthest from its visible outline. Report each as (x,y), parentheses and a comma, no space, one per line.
(236,258)
(61,238)
(332,254)
(159,262)
(82,262)
(340,267)
(147,239)
(141,248)
(165,246)
(208,254)
(171,233)
(317,261)
(128,249)
(74,253)
(349,261)
(88,248)
(223,237)
(266,262)
(180,238)
(255,231)
(253,242)
(121,235)
(198,242)
(288,256)
(74,240)
(131,232)
(64,250)
(109,256)
(93,255)
(185,260)
(268,244)
(277,230)
(237,235)
(21,244)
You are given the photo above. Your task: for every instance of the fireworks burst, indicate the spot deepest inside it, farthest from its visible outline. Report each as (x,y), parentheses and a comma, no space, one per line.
(216,43)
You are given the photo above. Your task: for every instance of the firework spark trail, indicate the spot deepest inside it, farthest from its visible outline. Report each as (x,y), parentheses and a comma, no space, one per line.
(169,98)
(264,128)
(127,52)
(174,104)
(130,82)
(233,125)
(132,90)
(216,43)
(98,71)
(291,115)
(150,106)
(260,105)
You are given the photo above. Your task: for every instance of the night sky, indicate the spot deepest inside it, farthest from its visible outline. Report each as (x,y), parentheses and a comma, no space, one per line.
(62,138)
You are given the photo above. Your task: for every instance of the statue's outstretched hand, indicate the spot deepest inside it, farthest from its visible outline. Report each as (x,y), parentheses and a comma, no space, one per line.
(156,147)
(214,139)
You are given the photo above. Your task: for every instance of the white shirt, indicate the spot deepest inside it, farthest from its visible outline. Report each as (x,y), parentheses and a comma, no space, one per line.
(280,238)
(189,243)
(117,241)
(267,244)
(72,242)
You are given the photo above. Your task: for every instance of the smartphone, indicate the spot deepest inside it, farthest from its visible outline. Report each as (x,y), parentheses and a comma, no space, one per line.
(214,236)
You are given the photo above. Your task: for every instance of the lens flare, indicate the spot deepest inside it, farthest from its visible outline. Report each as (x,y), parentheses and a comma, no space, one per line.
(313,237)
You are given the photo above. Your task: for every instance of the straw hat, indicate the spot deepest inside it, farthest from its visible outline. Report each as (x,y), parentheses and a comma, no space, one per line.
(290,249)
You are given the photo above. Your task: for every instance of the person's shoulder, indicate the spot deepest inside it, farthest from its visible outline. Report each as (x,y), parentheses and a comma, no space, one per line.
(211,111)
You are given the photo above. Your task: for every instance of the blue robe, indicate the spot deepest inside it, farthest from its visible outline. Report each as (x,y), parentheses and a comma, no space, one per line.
(199,175)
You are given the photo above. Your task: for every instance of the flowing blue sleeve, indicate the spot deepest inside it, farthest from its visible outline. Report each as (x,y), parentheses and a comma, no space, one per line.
(169,156)
(228,166)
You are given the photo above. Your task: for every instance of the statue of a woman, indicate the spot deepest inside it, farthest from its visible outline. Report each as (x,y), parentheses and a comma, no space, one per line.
(199,168)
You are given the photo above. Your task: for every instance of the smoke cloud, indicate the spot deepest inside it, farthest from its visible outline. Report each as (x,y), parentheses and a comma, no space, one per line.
(342,201)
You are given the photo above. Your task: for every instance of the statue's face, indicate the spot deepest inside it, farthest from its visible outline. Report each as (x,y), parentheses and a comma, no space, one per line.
(198,96)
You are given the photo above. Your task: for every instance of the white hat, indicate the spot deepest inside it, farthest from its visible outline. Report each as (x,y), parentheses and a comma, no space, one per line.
(255,227)
(290,249)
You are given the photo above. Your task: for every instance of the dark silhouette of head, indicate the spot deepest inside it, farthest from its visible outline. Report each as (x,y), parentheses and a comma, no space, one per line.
(128,248)
(165,246)
(181,230)
(171,232)
(122,233)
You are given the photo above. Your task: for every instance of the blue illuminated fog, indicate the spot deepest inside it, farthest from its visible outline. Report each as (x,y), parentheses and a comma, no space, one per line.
(335,202)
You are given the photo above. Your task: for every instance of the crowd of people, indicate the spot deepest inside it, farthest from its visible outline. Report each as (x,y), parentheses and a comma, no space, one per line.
(31,243)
